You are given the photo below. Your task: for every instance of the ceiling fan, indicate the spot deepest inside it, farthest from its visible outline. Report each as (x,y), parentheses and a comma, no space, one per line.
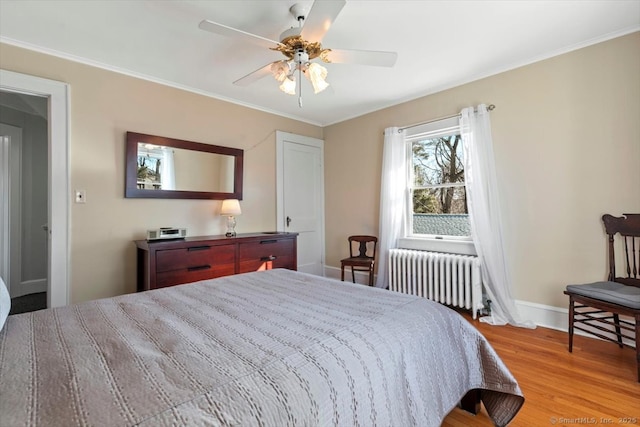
(301,46)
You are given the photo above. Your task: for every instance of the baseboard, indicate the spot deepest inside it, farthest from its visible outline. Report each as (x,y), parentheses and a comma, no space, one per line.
(551,317)
(544,315)
(335,272)
(30,287)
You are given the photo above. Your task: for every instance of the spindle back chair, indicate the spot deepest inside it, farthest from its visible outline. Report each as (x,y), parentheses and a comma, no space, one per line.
(595,308)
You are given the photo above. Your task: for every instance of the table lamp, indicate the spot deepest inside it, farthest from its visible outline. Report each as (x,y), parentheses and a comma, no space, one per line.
(230,208)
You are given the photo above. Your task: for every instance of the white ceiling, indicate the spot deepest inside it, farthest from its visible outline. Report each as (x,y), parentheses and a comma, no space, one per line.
(440,44)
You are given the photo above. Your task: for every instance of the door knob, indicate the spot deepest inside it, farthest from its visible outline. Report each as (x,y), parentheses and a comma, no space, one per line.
(288,221)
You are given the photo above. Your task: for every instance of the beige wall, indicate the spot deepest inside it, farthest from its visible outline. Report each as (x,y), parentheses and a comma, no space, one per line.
(104,105)
(207,166)
(567,144)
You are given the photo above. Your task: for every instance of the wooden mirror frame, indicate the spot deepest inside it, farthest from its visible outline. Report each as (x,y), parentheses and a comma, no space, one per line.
(131,165)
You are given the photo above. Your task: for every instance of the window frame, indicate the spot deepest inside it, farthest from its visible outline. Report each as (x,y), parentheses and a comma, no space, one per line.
(432,242)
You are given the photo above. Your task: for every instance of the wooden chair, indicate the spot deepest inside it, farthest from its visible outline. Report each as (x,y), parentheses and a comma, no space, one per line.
(366,258)
(600,305)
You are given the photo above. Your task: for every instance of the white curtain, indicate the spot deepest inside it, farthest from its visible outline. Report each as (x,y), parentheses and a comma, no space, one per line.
(484,216)
(393,190)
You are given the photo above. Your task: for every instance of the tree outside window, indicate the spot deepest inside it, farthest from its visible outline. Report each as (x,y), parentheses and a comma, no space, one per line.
(439,202)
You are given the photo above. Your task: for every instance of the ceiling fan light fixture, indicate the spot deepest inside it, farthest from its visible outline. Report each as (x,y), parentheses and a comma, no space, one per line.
(288,85)
(317,74)
(280,70)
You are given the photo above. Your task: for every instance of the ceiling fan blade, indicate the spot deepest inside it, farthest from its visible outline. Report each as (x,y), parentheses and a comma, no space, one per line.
(225,30)
(320,18)
(254,76)
(363,57)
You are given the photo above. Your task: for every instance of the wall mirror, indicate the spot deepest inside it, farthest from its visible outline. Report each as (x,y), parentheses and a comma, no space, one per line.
(168,168)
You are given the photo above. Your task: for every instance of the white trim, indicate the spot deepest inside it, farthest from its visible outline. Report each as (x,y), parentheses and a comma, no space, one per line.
(280,182)
(544,315)
(434,129)
(58,148)
(335,272)
(460,247)
(550,317)
(31,287)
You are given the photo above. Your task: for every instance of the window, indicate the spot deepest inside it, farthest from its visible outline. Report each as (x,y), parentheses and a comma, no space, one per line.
(155,169)
(437,203)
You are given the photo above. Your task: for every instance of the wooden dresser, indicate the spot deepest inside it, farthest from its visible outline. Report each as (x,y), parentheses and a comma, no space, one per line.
(164,263)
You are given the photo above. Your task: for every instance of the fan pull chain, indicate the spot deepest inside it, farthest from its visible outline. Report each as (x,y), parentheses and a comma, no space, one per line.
(299,85)
(300,24)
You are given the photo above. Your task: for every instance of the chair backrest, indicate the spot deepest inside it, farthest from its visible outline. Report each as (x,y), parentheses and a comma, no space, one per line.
(628,226)
(367,246)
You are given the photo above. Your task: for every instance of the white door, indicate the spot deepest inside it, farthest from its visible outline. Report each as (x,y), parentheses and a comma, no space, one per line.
(300,205)
(58,229)
(10,226)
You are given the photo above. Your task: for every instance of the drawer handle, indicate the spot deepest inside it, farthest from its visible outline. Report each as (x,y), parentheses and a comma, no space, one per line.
(199,267)
(198,248)
(269,258)
(264,242)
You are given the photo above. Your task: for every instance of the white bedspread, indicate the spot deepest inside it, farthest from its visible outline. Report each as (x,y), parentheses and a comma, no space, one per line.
(274,348)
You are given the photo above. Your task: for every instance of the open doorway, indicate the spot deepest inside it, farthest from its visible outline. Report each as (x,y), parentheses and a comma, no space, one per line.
(57,96)
(24,197)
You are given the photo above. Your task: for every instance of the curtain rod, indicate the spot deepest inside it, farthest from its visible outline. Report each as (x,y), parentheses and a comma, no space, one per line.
(491,107)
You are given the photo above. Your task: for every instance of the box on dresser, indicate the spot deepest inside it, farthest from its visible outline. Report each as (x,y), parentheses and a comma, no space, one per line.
(167,263)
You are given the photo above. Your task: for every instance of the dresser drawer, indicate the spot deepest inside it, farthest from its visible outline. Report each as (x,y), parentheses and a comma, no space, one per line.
(265,248)
(195,257)
(176,277)
(267,263)
(266,254)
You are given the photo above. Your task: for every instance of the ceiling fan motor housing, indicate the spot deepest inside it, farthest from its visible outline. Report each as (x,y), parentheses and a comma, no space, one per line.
(300,56)
(289,34)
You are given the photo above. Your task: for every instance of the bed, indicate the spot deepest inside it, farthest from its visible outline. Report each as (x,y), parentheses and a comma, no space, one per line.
(270,348)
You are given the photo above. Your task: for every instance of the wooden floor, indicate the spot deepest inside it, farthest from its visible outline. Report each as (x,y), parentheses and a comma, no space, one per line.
(594,385)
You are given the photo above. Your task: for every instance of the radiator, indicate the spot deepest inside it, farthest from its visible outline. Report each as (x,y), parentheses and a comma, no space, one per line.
(449,279)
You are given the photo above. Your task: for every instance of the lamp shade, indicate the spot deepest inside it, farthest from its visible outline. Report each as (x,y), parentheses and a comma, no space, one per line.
(317,73)
(230,207)
(288,86)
